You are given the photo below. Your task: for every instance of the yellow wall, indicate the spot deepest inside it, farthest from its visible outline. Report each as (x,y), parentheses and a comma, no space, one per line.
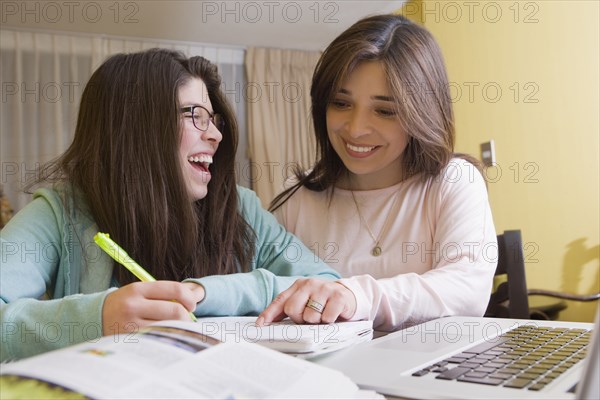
(526,74)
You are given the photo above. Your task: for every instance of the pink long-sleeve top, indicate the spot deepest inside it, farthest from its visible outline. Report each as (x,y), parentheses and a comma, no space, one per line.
(439,248)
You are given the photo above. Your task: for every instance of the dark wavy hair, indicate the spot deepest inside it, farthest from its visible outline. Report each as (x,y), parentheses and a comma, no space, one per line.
(416,75)
(124,159)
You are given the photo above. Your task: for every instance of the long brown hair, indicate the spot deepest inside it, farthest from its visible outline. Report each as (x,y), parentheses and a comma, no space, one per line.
(417,77)
(124,159)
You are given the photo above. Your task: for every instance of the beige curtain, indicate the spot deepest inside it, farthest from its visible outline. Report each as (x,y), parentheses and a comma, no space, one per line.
(280,131)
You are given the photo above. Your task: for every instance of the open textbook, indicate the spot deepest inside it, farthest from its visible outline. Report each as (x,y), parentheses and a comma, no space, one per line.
(174,359)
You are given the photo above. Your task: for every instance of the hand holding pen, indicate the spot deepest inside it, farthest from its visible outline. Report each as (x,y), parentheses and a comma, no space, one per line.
(141,303)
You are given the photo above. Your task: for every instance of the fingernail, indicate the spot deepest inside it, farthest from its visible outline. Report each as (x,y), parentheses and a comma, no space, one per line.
(260,321)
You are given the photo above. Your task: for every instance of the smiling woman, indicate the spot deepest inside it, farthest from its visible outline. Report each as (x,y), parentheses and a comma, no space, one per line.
(364,130)
(151,164)
(407,218)
(200,137)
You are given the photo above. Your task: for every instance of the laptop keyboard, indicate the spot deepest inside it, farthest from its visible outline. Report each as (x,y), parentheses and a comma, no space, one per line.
(527,357)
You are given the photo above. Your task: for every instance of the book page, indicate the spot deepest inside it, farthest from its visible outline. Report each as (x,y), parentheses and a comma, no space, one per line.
(120,359)
(285,336)
(245,371)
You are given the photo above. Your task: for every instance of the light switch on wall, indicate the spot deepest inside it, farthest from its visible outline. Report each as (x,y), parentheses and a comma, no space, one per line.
(488,153)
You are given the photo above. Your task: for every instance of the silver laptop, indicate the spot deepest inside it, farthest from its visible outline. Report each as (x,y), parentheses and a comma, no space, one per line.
(475,358)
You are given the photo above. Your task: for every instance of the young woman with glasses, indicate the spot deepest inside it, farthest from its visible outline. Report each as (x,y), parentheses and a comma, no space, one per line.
(152,164)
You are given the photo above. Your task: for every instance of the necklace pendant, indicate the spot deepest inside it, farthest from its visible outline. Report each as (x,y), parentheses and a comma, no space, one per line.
(376,252)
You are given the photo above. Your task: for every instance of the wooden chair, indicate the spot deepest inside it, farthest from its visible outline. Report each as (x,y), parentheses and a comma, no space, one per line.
(511,298)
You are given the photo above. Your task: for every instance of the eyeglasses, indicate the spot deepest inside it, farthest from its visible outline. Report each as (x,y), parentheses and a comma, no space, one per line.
(201,117)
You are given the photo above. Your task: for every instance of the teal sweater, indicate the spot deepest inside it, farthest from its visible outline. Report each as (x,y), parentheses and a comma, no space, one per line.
(54,278)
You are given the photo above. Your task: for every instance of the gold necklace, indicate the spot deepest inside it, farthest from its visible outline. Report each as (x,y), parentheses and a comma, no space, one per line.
(377,250)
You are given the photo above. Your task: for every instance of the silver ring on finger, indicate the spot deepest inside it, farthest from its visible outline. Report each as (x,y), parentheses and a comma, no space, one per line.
(314,305)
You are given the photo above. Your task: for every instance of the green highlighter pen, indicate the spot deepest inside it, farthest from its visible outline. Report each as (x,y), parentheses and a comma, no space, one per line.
(119,255)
